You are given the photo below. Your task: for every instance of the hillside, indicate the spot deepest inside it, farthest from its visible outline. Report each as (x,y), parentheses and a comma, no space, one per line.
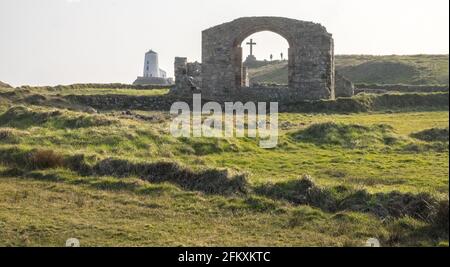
(4,85)
(413,69)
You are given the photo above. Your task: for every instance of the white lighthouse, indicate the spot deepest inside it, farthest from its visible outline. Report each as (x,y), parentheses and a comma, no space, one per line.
(153,75)
(151,65)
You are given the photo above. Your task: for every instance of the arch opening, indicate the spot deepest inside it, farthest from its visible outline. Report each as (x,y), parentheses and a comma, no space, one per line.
(262,57)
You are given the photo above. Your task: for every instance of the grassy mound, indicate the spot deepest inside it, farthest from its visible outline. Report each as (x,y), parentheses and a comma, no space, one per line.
(31,159)
(23,117)
(209,181)
(302,191)
(432,135)
(376,71)
(390,205)
(346,135)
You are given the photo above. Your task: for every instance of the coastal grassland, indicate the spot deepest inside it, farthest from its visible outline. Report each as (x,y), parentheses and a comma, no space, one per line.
(361,172)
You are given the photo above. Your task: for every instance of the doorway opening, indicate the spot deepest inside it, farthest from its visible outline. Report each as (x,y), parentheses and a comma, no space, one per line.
(264,60)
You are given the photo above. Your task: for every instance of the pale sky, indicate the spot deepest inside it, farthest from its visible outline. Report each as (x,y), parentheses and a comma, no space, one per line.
(49,42)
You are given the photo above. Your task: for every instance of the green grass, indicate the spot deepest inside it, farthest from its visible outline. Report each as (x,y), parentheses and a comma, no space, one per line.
(273,72)
(47,197)
(36,213)
(412,69)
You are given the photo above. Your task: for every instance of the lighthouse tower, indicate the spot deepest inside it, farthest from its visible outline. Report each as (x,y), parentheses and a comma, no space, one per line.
(151,65)
(153,75)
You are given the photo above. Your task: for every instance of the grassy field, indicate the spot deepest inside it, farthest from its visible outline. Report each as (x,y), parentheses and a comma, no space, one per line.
(411,69)
(114,179)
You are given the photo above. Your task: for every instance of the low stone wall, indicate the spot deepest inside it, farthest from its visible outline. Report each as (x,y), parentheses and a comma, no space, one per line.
(153,81)
(261,94)
(99,86)
(386,88)
(122,102)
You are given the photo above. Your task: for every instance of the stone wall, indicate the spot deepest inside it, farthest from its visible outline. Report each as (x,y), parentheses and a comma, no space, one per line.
(188,78)
(311,57)
(152,81)
(343,86)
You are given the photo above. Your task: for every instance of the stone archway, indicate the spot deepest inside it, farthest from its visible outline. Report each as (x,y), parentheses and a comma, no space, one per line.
(311,58)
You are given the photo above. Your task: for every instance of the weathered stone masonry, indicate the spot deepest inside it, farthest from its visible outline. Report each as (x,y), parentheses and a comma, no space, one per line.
(311,61)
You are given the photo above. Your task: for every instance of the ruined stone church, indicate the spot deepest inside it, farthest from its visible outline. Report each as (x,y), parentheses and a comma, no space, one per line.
(222,77)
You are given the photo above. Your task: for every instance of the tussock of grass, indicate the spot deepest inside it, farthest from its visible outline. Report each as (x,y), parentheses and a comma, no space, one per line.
(440,218)
(11,135)
(347,135)
(23,117)
(432,135)
(301,191)
(304,191)
(209,181)
(44,159)
(420,147)
(31,159)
